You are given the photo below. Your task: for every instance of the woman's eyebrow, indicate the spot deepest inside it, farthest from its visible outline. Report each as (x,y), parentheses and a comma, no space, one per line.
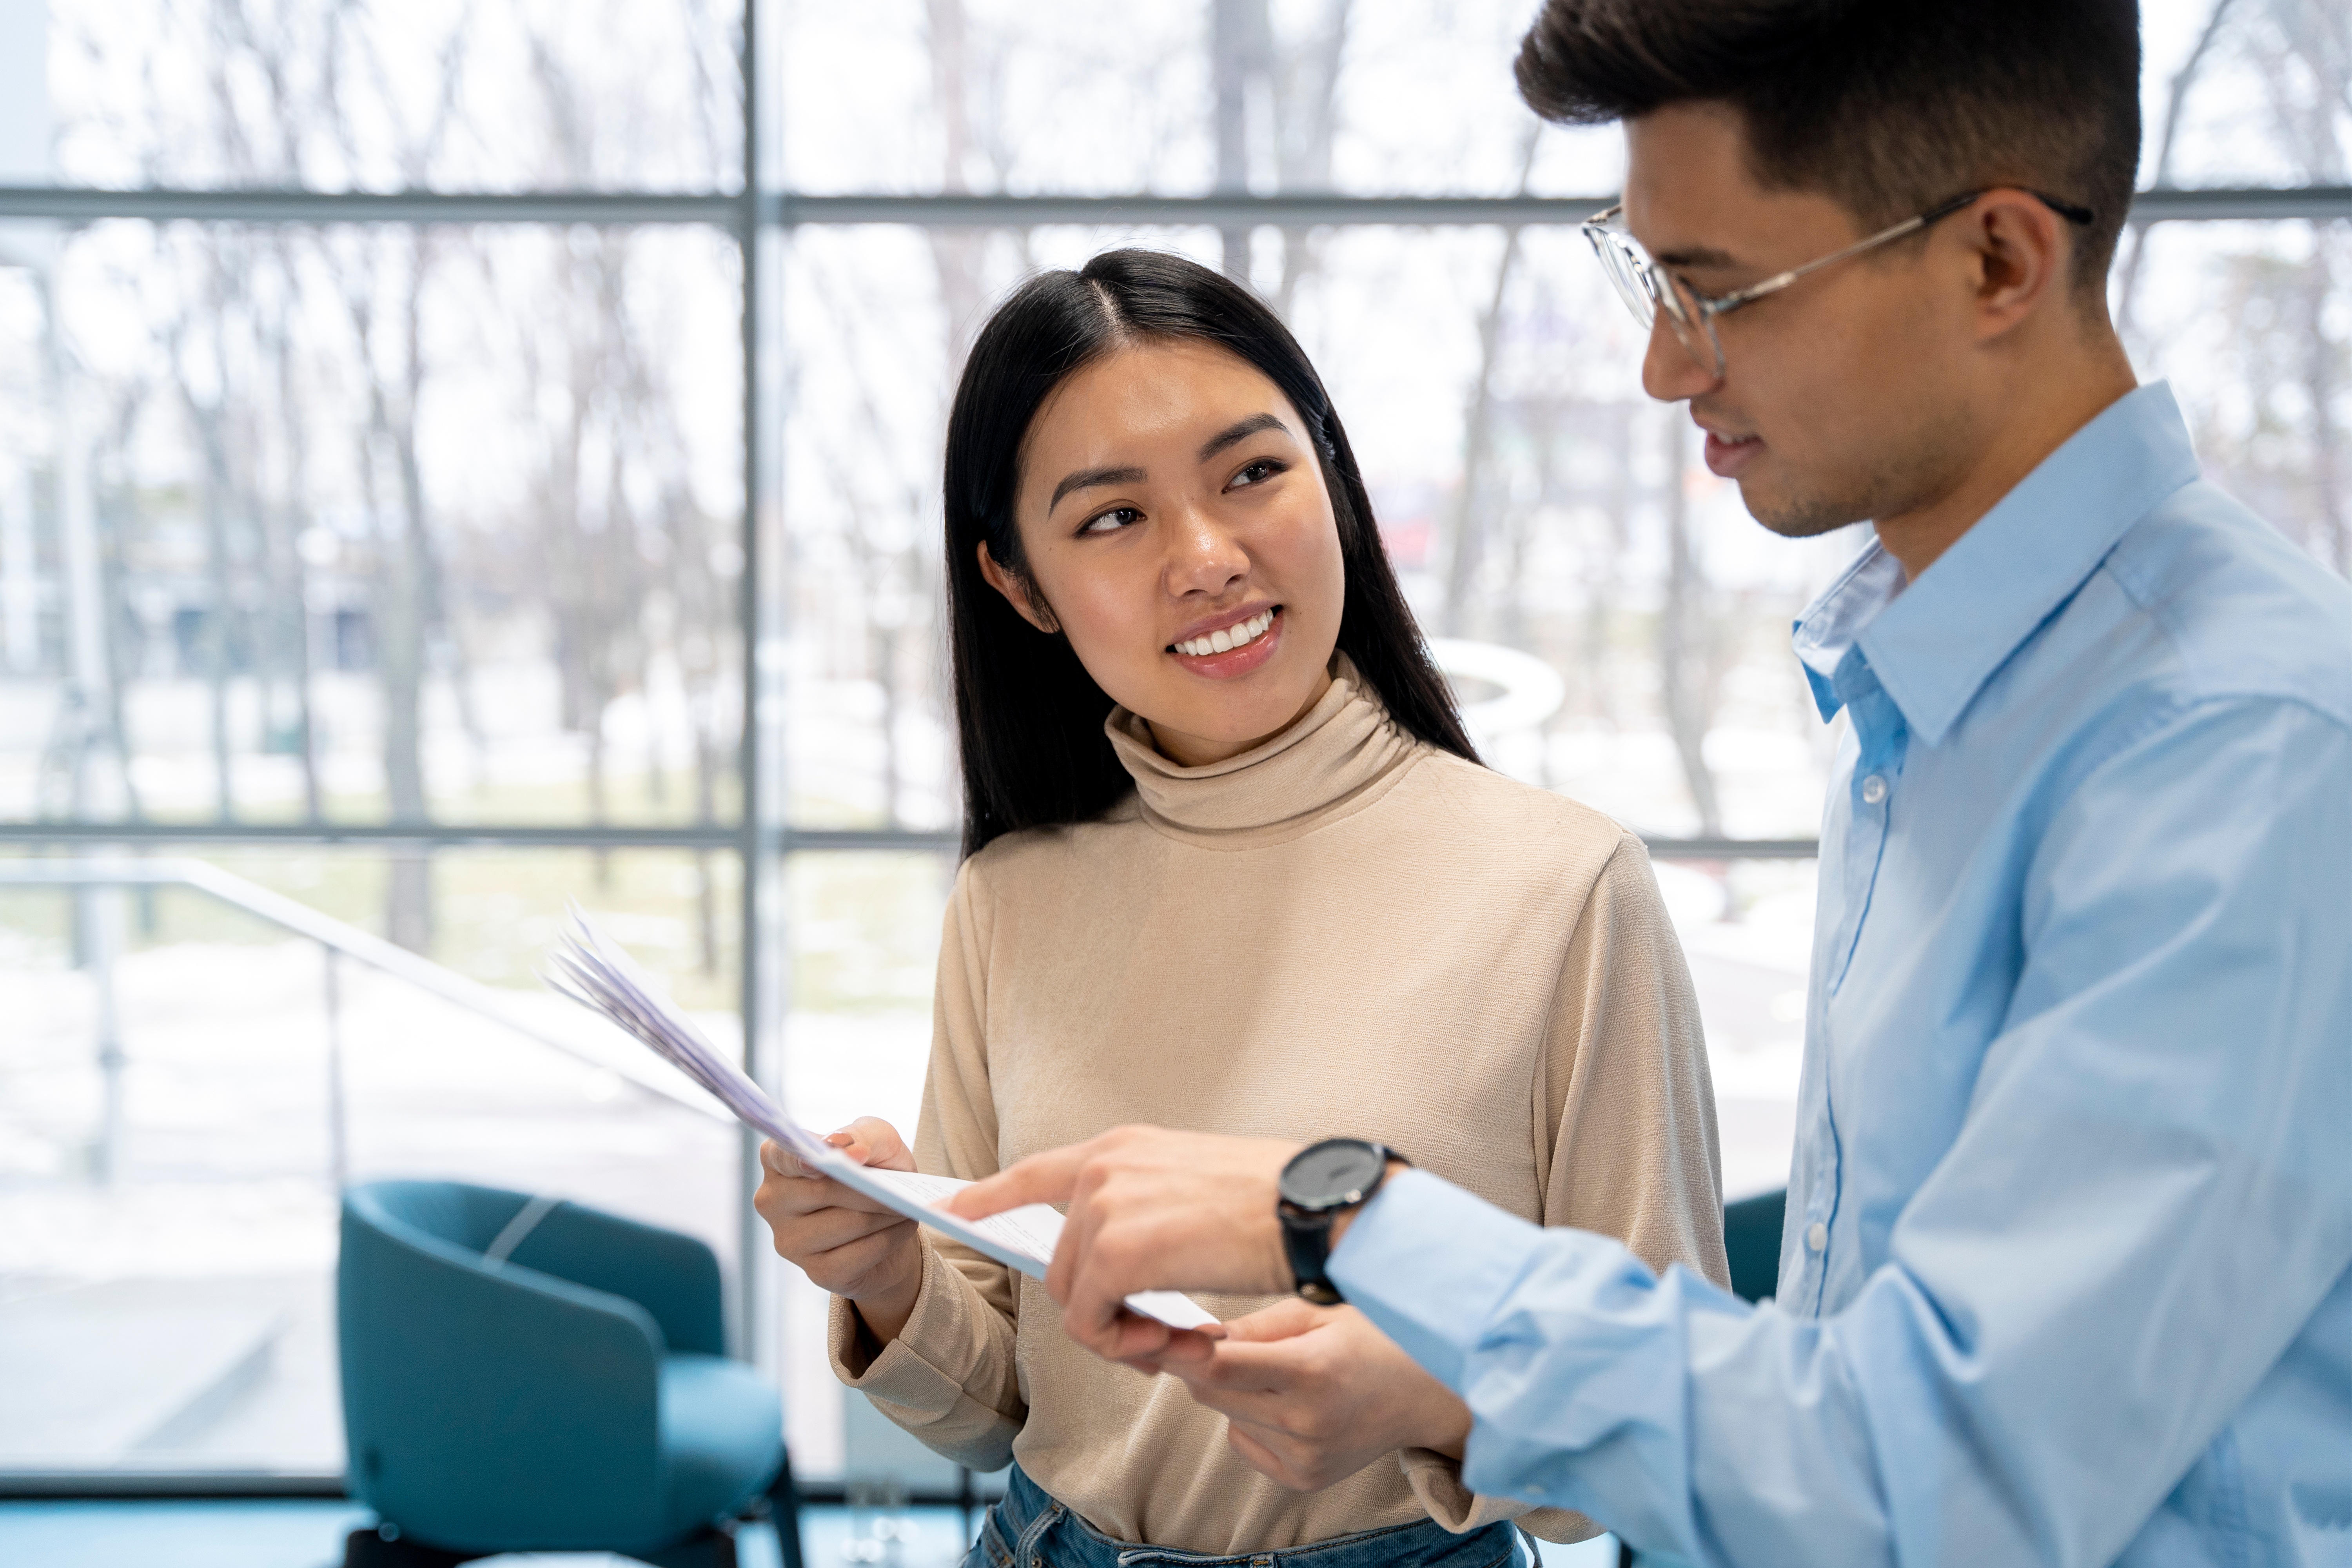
(1087,478)
(1240,431)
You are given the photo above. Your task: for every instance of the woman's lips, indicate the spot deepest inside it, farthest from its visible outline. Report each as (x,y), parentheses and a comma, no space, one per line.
(1235,662)
(1727,458)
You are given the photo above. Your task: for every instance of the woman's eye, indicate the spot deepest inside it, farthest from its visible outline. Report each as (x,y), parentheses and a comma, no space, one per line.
(1257,473)
(1110,521)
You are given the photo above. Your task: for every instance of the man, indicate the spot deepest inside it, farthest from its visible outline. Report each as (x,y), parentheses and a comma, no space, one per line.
(2067,1271)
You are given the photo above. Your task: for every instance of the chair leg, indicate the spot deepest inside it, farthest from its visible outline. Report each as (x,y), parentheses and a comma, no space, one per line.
(367,1548)
(784,1509)
(705,1549)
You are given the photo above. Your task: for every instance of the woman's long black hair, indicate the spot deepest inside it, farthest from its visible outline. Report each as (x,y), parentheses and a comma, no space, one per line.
(1028,715)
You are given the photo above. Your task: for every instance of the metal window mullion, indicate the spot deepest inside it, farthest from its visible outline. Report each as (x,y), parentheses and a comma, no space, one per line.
(77,204)
(581,836)
(758,1336)
(795,209)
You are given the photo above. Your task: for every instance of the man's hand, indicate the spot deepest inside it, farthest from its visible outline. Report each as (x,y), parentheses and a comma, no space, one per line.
(843,1240)
(1149,1210)
(1313,1394)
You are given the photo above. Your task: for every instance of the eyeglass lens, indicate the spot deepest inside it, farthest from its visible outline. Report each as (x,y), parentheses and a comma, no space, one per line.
(1644,286)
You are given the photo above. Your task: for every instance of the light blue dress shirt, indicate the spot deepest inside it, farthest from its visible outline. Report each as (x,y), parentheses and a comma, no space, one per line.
(2067,1276)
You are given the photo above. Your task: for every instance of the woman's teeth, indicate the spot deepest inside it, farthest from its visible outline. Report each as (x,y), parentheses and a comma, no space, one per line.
(1229,638)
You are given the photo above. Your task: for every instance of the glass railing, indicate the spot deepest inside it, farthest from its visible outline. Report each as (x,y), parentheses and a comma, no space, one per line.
(179,1119)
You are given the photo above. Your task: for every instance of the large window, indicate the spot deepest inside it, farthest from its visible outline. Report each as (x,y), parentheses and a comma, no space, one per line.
(457,461)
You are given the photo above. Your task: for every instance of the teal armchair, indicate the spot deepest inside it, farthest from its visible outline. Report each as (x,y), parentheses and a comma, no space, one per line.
(527,1374)
(1751,1241)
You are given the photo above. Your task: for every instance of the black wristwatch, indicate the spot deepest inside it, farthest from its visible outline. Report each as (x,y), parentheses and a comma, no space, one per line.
(1322,1181)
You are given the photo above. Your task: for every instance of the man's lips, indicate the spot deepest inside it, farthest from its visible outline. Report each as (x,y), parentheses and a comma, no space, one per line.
(1728,455)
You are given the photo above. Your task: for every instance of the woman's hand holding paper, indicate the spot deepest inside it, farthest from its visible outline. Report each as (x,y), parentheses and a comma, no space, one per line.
(843,1240)
(1312,1394)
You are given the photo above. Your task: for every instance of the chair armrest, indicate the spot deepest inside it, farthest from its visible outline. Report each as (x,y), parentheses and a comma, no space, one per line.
(1751,1243)
(674,1277)
(495,1408)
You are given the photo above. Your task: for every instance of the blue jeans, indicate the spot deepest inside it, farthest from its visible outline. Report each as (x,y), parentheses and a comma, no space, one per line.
(1030,1529)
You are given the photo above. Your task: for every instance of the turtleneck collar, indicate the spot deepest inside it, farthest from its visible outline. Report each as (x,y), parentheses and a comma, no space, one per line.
(1341,756)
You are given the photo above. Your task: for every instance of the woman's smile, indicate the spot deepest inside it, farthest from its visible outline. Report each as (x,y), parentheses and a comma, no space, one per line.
(1231,651)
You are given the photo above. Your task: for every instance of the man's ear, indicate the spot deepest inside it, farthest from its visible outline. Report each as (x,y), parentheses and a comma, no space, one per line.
(2024,260)
(1029,605)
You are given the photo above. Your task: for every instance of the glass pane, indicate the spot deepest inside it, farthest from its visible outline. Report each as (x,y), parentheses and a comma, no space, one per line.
(1379,97)
(2253,94)
(1374,96)
(517,95)
(364,524)
(1556,548)
(178,1092)
(865,932)
(2252,325)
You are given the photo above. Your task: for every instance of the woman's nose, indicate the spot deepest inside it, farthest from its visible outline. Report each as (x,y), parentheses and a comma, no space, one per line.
(1203,554)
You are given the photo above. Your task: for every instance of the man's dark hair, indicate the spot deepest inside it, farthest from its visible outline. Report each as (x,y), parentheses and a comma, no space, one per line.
(1886,107)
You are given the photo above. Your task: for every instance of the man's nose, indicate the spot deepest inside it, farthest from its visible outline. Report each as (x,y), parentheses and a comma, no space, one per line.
(1204,555)
(1669,373)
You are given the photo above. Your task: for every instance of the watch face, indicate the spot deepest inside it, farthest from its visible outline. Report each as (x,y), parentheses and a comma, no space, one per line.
(1332,1175)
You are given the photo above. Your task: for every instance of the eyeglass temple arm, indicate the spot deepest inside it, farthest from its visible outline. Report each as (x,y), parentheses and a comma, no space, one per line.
(1598,223)
(1778,281)
(1774,284)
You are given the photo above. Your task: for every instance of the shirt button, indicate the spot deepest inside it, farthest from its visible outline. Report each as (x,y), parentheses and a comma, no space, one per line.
(1817,1237)
(1873,790)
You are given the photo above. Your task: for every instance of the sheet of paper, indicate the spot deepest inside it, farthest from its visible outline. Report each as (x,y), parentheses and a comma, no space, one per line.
(592,970)
(1027,1235)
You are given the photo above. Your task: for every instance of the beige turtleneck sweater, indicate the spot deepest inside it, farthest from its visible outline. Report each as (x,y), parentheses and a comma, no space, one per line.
(1341,932)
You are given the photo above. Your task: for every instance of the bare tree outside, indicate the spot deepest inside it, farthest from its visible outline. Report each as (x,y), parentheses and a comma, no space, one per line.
(304,366)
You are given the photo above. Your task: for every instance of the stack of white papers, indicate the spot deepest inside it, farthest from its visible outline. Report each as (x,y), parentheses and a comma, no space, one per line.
(591,969)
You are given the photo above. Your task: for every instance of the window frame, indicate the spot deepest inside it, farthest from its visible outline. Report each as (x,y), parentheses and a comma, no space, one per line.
(765,837)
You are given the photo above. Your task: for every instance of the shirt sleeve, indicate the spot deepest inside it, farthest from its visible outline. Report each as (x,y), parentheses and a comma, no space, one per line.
(2140,1213)
(950,1377)
(1624,1130)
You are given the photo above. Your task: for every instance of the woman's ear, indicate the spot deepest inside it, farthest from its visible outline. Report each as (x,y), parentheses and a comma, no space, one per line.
(1029,605)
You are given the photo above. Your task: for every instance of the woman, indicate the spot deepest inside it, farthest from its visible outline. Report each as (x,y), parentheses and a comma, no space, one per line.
(1231,864)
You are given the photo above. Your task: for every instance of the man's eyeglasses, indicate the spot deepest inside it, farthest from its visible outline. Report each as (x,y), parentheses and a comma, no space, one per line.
(1645,286)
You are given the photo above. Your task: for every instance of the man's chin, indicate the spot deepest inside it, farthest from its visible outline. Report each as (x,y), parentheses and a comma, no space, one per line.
(1793,516)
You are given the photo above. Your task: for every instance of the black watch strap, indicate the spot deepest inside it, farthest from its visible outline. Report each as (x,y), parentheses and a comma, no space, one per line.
(1312,1195)
(1307,1239)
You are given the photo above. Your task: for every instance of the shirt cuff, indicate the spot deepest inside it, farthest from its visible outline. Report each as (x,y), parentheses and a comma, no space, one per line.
(1429,1263)
(917,1371)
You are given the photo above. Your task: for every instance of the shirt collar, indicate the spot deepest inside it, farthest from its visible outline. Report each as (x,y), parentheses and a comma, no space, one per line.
(1826,632)
(1933,647)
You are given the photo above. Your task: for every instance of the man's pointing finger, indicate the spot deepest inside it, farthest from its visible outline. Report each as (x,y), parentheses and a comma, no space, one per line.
(1047,1178)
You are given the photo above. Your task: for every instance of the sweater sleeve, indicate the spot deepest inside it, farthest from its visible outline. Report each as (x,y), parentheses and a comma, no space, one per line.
(1624,1114)
(950,1377)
